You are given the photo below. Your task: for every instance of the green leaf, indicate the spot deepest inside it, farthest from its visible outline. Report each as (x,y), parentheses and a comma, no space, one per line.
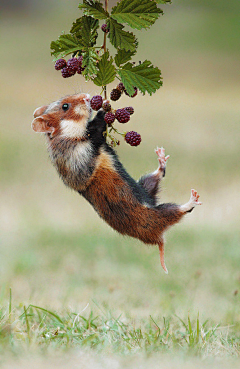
(145,77)
(123,56)
(163,1)
(90,61)
(85,29)
(106,71)
(119,38)
(64,45)
(136,13)
(47,311)
(94,9)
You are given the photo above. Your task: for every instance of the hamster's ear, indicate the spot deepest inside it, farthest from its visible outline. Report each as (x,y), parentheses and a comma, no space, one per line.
(39,111)
(41,124)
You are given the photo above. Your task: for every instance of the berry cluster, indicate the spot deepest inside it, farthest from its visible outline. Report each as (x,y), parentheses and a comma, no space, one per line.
(116,93)
(70,67)
(73,66)
(121,115)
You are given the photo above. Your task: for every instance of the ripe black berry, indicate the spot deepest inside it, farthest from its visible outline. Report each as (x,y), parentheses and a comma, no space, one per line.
(109,118)
(106,106)
(80,59)
(80,69)
(115,94)
(96,102)
(72,65)
(134,94)
(122,115)
(60,64)
(133,138)
(130,109)
(66,72)
(105,28)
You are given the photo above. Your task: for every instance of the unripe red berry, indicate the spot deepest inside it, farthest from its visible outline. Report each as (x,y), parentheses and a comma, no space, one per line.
(133,138)
(60,64)
(96,102)
(109,118)
(120,87)
(105,28)
(122,115)
(106,105)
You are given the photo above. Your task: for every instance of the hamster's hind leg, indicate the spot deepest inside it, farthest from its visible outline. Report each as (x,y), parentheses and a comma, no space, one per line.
(151,182)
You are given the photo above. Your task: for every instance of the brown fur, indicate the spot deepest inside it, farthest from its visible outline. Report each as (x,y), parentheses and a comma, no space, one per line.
(88,165)
(111,195)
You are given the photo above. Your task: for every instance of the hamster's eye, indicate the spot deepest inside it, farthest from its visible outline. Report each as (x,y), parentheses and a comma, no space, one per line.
(65,107)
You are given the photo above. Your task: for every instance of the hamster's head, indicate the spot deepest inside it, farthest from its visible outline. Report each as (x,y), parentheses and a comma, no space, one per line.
(67,117)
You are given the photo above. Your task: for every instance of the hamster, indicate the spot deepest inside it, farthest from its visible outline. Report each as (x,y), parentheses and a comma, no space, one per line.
(86,163)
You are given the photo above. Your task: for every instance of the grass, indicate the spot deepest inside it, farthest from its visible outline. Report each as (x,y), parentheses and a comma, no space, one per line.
(35,326)
(193,311)
(71,290)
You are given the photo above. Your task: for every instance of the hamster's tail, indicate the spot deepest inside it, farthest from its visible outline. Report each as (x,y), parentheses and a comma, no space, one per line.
(161,251)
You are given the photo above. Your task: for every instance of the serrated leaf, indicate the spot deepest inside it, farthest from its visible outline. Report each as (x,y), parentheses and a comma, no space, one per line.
(85,29)
(64,45)
(94,9)
(145,77)
(136,13)
(106,71)
(123,56)
(119,38)
(163,1)
(90,61)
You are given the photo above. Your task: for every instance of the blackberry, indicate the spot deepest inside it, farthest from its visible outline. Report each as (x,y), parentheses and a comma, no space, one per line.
(133,138)
(130,109)
(66,72)
(60,64)
(115,94)
(120,87)
(122,115)
(105,28)
(72,65)
(106,106)
(109,118)
(134,94)
(80,59)
(80,69)
(96,102)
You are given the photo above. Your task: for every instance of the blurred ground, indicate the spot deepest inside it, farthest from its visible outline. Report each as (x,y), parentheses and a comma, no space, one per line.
(54,249)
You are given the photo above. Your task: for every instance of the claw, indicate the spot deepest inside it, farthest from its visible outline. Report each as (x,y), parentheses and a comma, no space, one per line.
(161,157)
(194,197)
(191,203)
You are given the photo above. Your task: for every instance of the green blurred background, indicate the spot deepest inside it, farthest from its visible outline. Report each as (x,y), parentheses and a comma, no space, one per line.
(54,249)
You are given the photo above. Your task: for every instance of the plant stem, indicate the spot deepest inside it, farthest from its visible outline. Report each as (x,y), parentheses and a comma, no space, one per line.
(105,48)
(115,130)
(10,305)
(27,324)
